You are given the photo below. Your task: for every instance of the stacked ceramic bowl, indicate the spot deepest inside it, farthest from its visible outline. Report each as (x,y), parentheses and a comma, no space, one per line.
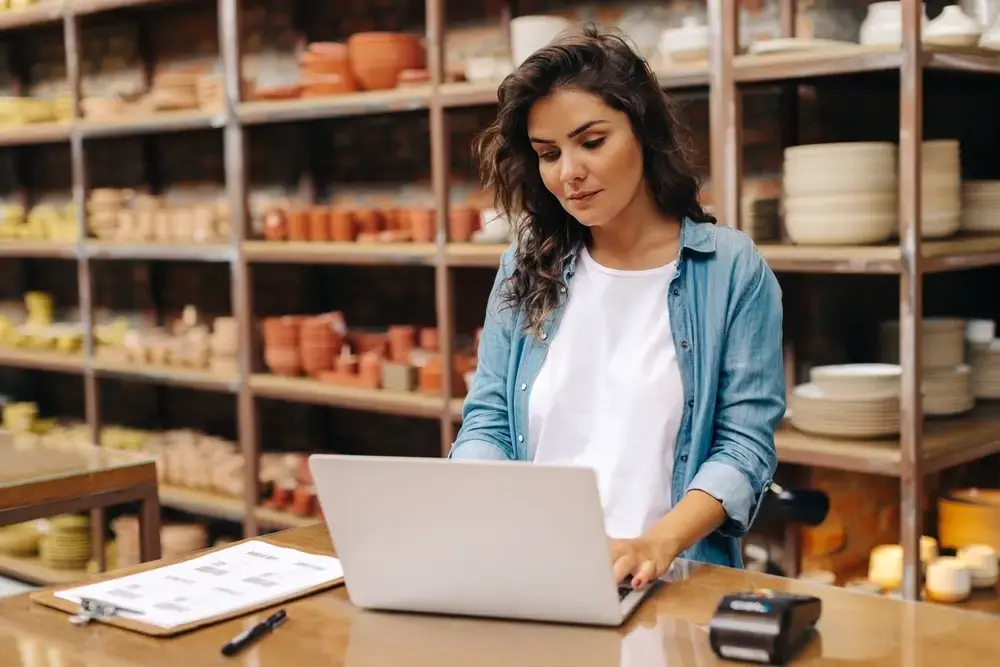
(986,372)
(941,189)
(848,401)
(948,381)
(981,206)
(840,194)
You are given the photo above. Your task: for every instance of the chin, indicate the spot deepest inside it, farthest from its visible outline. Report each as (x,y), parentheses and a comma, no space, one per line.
(590,218)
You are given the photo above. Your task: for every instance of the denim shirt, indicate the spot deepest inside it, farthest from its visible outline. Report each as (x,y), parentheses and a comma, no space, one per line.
(725,314)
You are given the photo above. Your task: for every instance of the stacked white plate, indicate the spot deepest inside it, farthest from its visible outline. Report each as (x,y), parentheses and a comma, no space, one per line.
(986,372)
(981,206)
(943,344)
(848,401)
(941,189)
(840,193)
(948,391)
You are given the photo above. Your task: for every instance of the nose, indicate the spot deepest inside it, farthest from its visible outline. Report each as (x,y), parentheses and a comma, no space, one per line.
(571,168)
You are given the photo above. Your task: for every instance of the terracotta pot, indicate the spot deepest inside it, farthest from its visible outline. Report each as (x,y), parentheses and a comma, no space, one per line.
(402,340)
(377,58)
(282,331)
(283,360)
(281,497)
(298,225)
(319,224)
(462,222)
(430,378)
(316,359)
(422,225)
(369,221)
(275,225)
(341,225)
(370,371)
(429,339)
(367,341)
(304,501)
(346,364)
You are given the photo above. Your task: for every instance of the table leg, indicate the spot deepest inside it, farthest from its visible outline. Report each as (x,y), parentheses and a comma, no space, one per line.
(149,525)
(97,520)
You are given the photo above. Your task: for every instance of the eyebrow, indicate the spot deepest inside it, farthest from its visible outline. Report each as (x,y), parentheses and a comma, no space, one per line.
(578,131)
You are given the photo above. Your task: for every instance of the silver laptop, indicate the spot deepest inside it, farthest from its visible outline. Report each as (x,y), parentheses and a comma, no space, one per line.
(475,538)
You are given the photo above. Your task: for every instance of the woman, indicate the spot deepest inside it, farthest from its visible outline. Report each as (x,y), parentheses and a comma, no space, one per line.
(625,330)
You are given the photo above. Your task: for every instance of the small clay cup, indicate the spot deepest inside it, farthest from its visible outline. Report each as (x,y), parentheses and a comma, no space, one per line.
(319,224)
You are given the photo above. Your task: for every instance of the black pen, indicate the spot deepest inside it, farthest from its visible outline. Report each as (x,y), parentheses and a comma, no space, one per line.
(247,637)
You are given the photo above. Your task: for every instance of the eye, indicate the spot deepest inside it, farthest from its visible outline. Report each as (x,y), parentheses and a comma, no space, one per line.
(549,156)
(593,143)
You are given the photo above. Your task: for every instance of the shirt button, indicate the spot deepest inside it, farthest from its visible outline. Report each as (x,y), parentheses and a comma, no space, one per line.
(684,458)
(544,335)
(684,344)
(524,386)
(690,403)
(520,438)
(677,292)
(562,289)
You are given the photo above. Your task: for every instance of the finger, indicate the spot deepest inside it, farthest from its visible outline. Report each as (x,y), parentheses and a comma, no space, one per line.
(623,567)
(618,548)
(644,574)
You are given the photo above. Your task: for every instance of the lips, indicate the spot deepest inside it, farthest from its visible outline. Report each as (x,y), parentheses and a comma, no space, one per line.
(583,197)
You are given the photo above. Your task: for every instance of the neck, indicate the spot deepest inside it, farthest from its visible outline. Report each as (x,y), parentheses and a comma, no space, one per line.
(639,228)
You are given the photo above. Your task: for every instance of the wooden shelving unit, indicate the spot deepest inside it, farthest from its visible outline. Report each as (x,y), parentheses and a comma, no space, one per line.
(921,448)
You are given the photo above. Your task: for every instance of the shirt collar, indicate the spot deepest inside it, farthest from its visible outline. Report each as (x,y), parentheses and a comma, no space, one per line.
(695,236)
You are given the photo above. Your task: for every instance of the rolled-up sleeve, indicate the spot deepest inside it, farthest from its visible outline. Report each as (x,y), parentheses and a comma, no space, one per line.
(485,431)
(750,403)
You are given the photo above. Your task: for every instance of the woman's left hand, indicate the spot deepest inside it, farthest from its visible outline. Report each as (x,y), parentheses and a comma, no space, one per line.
(644,558)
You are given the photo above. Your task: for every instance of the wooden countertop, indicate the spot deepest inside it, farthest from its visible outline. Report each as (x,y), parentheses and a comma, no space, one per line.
(667,631)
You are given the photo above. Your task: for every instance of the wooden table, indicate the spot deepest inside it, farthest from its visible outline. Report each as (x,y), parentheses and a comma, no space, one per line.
(38,482)
(325,630)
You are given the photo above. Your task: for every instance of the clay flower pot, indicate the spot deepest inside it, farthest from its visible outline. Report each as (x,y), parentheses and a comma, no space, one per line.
(341,226)
(402,340)
(369,221)
(370,371)
(377,58)
(283,360)
(462,222)
(422,225)
(430,377)
(319,224)
(298,225)
(281,331)
(275,225)
(429,339)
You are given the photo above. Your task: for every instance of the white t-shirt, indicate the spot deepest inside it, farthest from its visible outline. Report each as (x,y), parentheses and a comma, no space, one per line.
(609,394)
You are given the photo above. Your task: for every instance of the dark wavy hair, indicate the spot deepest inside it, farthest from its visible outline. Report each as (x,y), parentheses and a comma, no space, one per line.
(605,65)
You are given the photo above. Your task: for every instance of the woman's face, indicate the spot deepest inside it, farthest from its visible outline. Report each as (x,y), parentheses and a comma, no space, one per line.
(588,156)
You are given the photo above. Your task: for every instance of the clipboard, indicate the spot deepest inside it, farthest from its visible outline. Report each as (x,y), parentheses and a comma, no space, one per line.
(109,616)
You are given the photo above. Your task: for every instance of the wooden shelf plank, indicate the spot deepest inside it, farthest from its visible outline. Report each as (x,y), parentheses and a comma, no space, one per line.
(467,94)
(303,390)
(273,518)
(41,360)
(947,442)
(96,6)
(295,252)
(335,106)
(485,255)
(202,503)
(46,11)
(166,121)
(31,570)
(212,252)
(960,252)
(41,249)
(167,375)
(857,59)
(34,133)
